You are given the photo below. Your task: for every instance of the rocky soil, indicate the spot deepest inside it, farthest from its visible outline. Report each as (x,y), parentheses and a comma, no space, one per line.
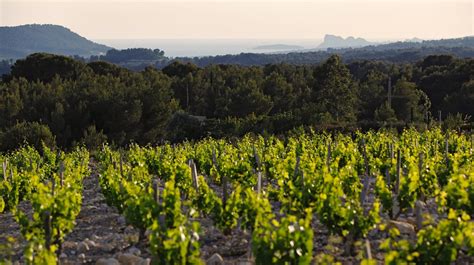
(101,236)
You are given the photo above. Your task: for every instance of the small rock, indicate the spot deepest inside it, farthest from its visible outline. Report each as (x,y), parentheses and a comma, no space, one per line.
(73,252)
(109,261)
(147,233)
(112,237)
(121,221)
(129,259)
(95,237)
(215,259)
(403,227)
(132,238)
(129,230)
(89,242)
(82,247)
(145,262)
(134,251)
(82,256)
(107,247)
(63,256)
(69,244)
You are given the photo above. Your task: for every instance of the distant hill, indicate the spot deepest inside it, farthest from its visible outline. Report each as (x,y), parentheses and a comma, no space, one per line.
(333,41)
(396,52)
(415,39)
(19,41)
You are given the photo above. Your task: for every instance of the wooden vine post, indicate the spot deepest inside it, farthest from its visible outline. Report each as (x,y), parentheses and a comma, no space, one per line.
(419,203)
(47,220)
(328,158)
(223,179)
(259,182)
(399,164)
(446,150)
(388,179)
(156,190)
(47,229)
(114,164)
(391,150)
(4,166)
(368,250)
(194,174)
(258,170)
(396,188)
(61,173)
(61,183)
(121,164)
(297,167)
(365,188)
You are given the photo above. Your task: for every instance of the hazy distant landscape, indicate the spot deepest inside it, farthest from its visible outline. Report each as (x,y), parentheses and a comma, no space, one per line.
(195,132)
(208,47)
(27,39)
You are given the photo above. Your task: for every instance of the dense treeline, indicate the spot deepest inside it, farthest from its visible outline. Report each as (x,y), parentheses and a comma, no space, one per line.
(62,100)
(401,55)
(137,59)
(390,54)
(132,54)
(397,52)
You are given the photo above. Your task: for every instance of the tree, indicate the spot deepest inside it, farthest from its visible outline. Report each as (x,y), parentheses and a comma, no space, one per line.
(462,100)
(32,133)
(409,103)
(11,102)
(385,113)
(179,69)
(372,94)
(243,100)
(158,106)
(44,67)
(281,92)
(105,68)
(93,139)
(334,91)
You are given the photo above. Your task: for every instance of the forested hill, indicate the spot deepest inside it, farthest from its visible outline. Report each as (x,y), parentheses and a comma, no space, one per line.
(20,41)
(397,52)
(59,99)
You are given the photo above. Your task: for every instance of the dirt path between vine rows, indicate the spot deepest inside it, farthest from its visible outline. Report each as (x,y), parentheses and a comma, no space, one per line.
(101,233)
(101,236)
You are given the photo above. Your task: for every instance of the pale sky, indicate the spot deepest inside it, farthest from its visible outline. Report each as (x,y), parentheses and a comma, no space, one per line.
(246,19)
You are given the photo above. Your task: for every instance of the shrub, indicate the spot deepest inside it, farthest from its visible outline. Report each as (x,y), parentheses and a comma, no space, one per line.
(32,133)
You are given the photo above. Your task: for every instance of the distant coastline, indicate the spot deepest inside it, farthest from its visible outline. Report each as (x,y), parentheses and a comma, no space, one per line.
(209,47)
(278,47)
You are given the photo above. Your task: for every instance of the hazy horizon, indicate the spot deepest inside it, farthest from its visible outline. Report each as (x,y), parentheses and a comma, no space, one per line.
(382,20)
(209,47)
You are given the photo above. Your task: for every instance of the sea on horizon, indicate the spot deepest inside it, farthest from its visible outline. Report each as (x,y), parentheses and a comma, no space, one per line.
(211,47)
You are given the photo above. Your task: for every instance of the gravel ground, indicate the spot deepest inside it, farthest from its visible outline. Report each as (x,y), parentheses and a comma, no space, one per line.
(101,234)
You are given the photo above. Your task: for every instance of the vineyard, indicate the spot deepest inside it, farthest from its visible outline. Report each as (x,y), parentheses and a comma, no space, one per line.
(368,198)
